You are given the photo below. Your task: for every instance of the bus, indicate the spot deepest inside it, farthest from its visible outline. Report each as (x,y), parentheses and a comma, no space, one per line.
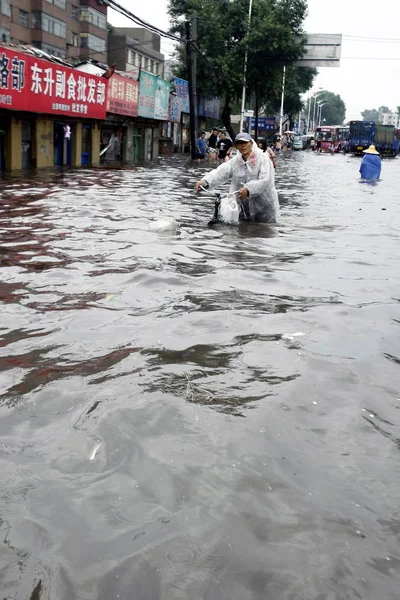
(327,135)
(342,136)
(332,133)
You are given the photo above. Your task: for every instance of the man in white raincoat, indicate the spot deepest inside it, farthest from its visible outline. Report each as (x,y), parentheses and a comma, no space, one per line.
(252,173)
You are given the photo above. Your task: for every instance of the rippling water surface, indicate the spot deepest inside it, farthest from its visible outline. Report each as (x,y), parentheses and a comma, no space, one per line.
(211,414)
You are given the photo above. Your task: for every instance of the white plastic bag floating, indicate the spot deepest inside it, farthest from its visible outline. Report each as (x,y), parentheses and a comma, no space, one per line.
(229,210)
(165,224)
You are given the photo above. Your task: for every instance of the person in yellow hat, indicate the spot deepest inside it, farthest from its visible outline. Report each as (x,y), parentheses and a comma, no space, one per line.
(371,164)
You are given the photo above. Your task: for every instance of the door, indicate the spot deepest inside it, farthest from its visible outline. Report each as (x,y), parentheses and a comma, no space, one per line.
(137,144)
(86,147)
(63,133)
(26,141)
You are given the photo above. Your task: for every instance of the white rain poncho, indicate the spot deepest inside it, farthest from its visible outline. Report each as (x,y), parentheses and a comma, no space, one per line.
(257,174)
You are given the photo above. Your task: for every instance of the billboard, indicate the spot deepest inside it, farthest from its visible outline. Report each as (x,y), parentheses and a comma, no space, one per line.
(122,96)
(153,96)
(182,93)
(179,103)
(35,85)
(322,50)
(161,103)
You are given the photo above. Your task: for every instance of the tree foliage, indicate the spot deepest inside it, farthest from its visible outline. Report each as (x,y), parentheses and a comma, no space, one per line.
(370,114)
(275,40)
(334,110)
(375,114)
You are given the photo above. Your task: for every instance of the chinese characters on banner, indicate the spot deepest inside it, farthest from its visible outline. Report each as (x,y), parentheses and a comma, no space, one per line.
(35,85)
(182,92)
(153,96)
(179,103)
(264,123)
(123,96)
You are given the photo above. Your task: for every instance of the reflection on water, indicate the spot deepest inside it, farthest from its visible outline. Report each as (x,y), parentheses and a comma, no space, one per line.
(211,413)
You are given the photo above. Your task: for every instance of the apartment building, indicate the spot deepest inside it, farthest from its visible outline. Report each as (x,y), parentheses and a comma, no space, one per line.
(132,48)
(390,118)
(70,29)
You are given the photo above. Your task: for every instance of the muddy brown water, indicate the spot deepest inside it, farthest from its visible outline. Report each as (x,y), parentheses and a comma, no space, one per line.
(211,414)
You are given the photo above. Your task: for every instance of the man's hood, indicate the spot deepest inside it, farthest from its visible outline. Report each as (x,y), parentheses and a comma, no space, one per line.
(256,154)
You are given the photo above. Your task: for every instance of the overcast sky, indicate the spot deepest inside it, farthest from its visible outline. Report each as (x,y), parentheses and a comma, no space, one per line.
(369,73)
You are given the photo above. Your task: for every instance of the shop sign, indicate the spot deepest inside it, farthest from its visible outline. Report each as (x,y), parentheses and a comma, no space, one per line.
(264,124)
(179,103)
(153,96)
(161,105)
(122,95)
(147,94)
(35,85)
(182,92)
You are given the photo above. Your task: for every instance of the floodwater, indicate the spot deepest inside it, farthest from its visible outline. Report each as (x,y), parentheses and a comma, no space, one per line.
(212,414)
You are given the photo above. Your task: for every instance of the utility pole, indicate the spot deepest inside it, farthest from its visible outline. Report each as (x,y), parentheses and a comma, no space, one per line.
(245,72)
(282,99)
(189,65)
(193,20)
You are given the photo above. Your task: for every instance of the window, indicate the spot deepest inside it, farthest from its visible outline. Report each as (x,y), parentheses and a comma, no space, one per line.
(47,23)
(152,66)
(138,60)
(75,13)
(23,18)
(59,3)
(131,57)
(157,68)
(74,38)
(146,63)
(4,35)
(93,42)
(90,15)
(5,8)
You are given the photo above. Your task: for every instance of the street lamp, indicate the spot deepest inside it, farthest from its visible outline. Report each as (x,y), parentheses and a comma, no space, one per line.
(320,105)
(316,96)
(245,72)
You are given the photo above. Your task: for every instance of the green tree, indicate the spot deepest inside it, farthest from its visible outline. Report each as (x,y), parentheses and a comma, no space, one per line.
(275,39)
(334,110)
(370,114)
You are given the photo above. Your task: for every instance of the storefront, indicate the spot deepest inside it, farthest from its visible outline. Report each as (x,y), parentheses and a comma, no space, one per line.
(135,110)
(51,113)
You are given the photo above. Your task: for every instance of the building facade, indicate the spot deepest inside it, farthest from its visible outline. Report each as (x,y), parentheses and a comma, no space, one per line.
(390,118)
(134,48)
(70,29)
(50,113)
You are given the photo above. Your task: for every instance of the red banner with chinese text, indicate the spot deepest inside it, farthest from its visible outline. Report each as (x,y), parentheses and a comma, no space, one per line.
(122,95)
(31,84)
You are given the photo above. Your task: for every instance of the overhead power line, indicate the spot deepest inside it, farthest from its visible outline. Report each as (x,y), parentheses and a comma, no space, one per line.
(369,58)
(126,13)
(361,38)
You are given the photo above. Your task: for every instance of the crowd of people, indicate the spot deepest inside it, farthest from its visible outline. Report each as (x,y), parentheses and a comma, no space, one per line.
(220,147)
(251,173)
